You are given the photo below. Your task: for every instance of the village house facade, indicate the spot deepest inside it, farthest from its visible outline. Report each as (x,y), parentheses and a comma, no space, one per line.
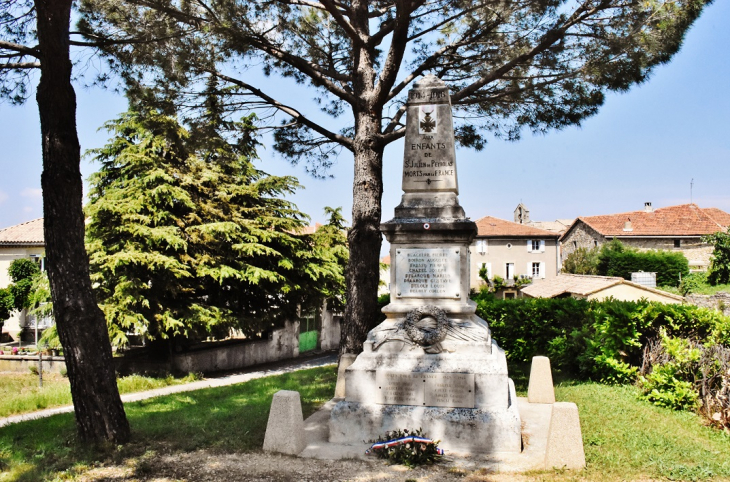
(512,250)
(21,241)
(674,228)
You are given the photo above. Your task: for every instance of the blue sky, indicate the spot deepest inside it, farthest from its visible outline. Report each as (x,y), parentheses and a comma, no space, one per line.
(644,145)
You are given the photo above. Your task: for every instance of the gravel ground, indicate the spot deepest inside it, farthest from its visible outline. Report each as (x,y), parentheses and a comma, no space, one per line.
(265,467)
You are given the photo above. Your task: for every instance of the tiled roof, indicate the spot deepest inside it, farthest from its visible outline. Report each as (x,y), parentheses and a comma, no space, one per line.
(558,226)
(682,220)
(494,227)
(718,215)
(308,229)
(582,285)
(29,233)
(385,260)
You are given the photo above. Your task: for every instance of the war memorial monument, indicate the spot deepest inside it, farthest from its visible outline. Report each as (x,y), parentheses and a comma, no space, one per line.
(432,363)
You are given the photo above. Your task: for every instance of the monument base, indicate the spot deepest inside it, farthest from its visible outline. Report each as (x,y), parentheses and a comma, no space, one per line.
(463,398)
(463,430)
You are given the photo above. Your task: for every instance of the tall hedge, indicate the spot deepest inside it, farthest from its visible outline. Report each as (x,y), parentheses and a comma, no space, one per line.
(617,260)
(601,340)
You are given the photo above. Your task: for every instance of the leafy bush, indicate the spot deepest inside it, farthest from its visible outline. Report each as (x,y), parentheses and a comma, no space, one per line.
(719,272)
(615,259)
(601,340)
(409,453)
(668,384)
(582,261)
(692,283)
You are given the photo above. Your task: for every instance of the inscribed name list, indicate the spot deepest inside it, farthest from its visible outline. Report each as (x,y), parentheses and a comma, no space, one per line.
(455,390)
(427,272)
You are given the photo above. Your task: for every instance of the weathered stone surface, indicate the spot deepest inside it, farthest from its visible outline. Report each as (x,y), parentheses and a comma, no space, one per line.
(428,272)
(285,428)
(453,376)
(540,388)
(429,160)
(346,360)
(464,430)
(565,442)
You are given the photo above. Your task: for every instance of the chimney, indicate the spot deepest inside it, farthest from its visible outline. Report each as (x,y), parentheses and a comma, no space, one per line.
(648,208)
(627,225)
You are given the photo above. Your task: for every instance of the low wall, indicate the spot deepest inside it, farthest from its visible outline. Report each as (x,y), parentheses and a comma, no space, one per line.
(329,337)
(22,363)
(282,344)
(720,301)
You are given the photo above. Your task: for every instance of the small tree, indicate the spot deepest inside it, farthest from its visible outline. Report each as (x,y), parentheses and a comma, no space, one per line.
(23,273)
(719,272)
(187,239)
(582,261)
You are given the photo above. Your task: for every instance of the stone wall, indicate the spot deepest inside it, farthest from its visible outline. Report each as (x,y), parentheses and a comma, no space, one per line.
(281,345)
(719,301)
(22,364)
(581,236)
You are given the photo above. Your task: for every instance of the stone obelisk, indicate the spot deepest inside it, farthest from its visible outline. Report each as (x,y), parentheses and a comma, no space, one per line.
(432,363)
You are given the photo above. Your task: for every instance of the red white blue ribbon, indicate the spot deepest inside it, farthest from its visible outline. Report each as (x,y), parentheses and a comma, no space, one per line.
(401,441)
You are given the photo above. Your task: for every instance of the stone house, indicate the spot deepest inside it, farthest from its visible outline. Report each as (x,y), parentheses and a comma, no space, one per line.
(512,250)
(21,241)
(674,228)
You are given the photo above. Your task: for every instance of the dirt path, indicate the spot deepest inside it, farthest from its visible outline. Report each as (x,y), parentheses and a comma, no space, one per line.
(204,466)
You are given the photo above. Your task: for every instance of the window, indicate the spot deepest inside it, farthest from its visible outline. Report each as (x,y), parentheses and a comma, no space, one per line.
(535,270)
(535,245)
(595,243)
(677,243)
(481,246)
(575,244)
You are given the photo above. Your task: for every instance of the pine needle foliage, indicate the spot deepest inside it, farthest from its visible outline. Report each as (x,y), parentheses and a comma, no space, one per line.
(188,239)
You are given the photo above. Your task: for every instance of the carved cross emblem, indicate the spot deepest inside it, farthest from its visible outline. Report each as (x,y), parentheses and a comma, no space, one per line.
(428,124)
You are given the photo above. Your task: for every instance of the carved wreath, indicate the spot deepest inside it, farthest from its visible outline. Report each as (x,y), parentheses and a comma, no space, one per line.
(427,325)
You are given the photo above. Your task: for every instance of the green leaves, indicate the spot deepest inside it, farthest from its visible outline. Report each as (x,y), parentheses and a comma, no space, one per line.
(187,239)
(719,272)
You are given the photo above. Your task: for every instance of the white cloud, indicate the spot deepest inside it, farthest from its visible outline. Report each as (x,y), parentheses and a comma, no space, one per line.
(32,192)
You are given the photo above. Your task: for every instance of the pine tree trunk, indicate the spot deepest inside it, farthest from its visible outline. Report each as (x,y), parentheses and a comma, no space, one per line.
(364,239)
(81,325)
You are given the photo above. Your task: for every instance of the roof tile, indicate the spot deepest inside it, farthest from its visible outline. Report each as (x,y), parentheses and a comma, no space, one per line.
(495,227)
(28,233)
(681,220)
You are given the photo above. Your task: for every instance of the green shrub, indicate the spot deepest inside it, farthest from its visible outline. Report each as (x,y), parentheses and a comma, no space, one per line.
(719,272)
(615,259)
(600,340)
(582,261)
(692,283)
(671,382)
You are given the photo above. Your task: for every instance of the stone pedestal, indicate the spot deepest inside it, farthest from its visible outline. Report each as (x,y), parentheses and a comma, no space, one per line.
(432,363)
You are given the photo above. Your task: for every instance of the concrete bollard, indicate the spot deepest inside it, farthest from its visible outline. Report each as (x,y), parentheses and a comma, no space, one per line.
(285,429)
(540,388)
(346,360)
(565,441)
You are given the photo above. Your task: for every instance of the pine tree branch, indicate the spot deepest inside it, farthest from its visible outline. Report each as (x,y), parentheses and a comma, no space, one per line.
(20,65)
(32,51)
(295,114)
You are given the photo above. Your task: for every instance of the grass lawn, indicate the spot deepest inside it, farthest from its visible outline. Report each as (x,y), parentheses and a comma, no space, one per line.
(625,439)
(19,392)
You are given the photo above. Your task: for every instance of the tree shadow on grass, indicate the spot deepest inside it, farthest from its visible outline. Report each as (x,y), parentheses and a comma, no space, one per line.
(229,419)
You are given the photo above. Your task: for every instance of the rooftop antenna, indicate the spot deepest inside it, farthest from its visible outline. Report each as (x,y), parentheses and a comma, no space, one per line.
(691,185)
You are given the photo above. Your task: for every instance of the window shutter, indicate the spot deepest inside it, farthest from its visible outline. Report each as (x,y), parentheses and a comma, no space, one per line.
(529,245)
(542,245)
(542,269)
(529,269)
(489,270)
(486,245)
